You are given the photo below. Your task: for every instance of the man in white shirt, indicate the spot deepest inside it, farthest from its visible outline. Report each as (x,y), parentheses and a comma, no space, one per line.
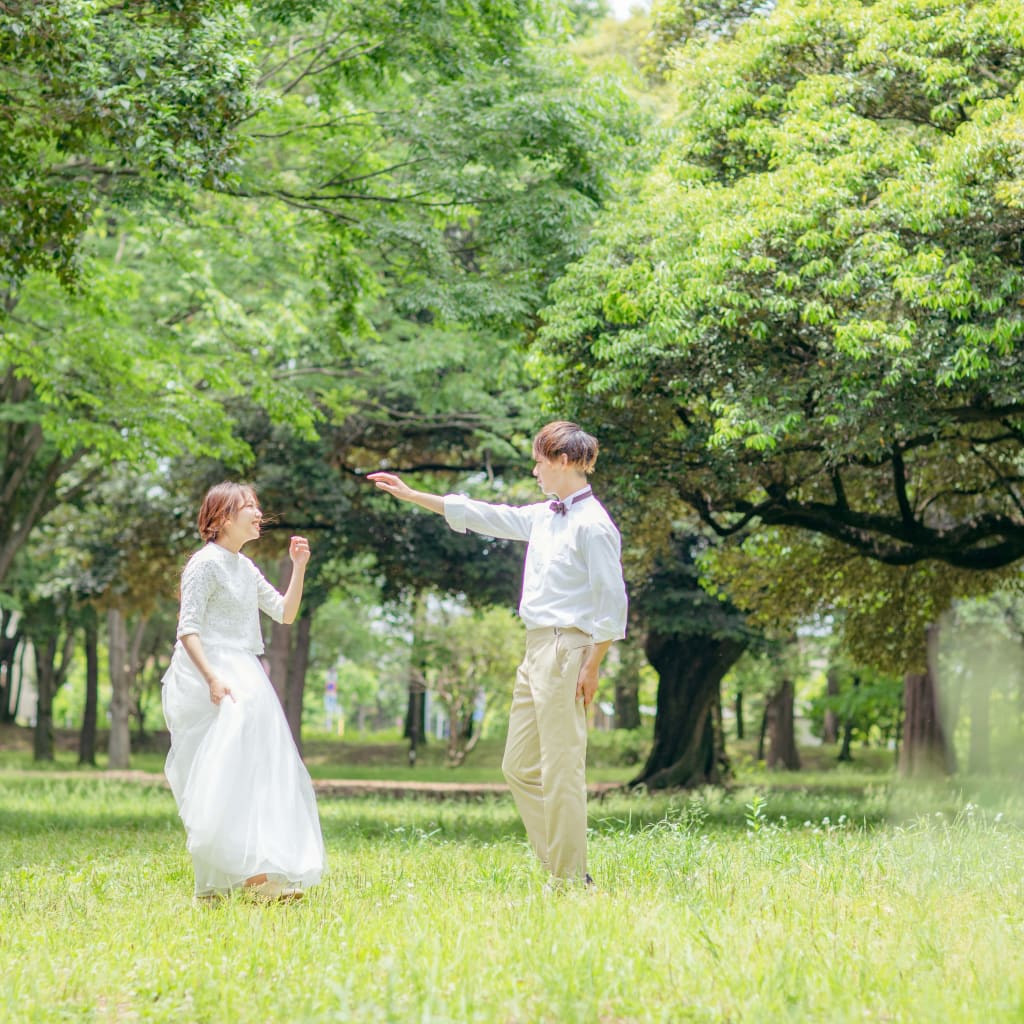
(574,607)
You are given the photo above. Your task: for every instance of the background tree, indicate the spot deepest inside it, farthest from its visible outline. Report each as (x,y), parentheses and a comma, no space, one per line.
(768,673)
(879,613)
(808,317)
(821,274)
(469,664)
(692,639)
(865,705)
(980,665)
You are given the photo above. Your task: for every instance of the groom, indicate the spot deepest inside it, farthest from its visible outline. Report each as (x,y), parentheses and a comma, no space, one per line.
(574,606)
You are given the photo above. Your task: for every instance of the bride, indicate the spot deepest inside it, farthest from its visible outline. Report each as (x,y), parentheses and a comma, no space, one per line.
(242,791)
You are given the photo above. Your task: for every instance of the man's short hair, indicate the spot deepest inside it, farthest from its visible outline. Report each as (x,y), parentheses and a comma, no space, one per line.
(565,438)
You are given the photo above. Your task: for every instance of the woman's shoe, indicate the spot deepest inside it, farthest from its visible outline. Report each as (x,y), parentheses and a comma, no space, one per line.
(270,892)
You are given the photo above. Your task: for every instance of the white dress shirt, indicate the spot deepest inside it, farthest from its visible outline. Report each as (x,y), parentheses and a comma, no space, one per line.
(573,574)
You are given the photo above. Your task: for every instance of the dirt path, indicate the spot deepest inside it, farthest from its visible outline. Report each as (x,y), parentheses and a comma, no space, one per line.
(328,787)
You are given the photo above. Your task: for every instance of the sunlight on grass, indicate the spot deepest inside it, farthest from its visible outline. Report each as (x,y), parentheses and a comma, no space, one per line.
(712,907)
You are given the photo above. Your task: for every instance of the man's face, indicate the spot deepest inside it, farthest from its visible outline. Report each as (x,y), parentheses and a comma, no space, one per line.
(549,472)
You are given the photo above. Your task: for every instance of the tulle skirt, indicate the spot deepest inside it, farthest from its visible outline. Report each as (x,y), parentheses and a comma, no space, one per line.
(243,793)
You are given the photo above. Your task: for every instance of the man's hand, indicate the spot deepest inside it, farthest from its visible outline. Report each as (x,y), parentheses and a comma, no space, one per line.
(397,487)
(298,549)
(393,484)
(586,683)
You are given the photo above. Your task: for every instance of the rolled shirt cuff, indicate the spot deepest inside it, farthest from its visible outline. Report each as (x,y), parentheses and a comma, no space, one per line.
(600,634)
(455,512)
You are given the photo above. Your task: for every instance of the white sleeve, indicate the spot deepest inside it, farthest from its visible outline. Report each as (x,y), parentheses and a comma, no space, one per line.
(197,583)
(269,598)
(510,522)
(604,548)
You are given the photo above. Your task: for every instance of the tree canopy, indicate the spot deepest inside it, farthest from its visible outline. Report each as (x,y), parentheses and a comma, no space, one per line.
(810,315)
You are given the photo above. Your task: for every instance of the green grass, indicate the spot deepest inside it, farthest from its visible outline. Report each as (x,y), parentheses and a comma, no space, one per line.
(327,757)
(887,905)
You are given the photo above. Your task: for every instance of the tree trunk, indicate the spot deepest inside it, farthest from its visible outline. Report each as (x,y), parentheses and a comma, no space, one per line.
(8,652)
(690,669)
(455,754)
(782,752)
(279,649)
(49,678)
(22,653)
(980,698)
(416,708)
(846,750)
(295,687)
(87,738)
(135,661)
(119,744)
(718,726)
(925,750)
(42,740)
(830,730)
(415,714)
(627,686)
(738,711)
(762,732)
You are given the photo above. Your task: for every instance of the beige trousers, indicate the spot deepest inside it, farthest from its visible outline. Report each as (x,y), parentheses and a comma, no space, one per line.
(545,755)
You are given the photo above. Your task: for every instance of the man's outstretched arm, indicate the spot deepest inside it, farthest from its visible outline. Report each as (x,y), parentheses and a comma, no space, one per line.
(508,521)
(396,486)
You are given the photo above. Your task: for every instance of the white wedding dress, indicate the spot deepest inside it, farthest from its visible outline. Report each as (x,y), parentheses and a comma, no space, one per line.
(243,793)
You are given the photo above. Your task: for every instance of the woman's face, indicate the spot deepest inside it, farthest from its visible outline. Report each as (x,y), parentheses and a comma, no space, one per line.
(245,522)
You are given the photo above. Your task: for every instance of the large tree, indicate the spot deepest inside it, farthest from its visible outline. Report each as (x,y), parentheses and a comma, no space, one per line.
(107,110)
(811,315)
(691,639)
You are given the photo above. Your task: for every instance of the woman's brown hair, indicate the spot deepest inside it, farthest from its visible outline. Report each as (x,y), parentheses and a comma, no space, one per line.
(222,501)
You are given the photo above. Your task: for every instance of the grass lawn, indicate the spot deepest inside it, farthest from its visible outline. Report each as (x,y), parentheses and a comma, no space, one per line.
(788,905)
(370,757)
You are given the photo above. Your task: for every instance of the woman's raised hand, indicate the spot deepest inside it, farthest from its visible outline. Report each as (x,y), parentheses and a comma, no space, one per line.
(298,549)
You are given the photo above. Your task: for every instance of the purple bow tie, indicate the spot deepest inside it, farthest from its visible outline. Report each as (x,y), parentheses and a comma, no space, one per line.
(560,508)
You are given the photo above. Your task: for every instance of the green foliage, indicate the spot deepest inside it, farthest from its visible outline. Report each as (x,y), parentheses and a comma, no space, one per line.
(781,577)
(677,22)
(405,180)
(671,601)
(810,315)
(618,747)
(457,157)
(869,702)
(468,660)
(104,102)
(365,644)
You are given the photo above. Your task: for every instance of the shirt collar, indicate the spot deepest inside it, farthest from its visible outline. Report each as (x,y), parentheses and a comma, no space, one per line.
(568,498)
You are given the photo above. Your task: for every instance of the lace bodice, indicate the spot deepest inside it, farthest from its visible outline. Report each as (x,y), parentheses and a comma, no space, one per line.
(222,595)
